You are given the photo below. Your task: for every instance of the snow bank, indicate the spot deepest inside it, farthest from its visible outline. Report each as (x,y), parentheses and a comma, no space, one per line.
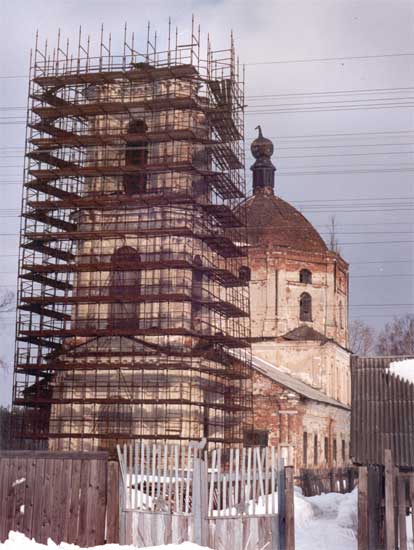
(348,511)
(330,524)
(324,522)
(404,369)
(17,541)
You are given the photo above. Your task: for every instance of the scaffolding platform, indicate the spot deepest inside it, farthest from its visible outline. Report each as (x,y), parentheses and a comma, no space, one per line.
(133,304)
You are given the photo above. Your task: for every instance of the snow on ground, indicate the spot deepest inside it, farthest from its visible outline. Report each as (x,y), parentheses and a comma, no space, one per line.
(17,541)
(323,522)
(326,522)
(404,369)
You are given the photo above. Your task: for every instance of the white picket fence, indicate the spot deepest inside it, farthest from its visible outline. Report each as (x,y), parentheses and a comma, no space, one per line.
(225,497)
(160,478)
(157,478)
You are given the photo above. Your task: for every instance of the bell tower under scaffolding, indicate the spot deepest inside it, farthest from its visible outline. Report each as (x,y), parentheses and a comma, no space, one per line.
(133,305)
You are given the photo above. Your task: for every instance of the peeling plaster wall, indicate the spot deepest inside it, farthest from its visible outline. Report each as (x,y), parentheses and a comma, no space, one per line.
(275,292)
(324,366)
(286,416)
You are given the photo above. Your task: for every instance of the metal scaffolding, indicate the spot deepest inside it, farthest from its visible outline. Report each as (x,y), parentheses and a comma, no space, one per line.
(133,309)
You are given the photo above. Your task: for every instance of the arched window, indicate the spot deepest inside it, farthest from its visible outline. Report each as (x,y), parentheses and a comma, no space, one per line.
(125,283)
(136,155)
(305,276)
(305,306)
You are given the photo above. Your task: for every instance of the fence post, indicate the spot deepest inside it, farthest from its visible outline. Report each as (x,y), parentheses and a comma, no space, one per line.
(289,509)
(389,501)
(331,481)
(200,496)
(375,499)
(402,526)
(350,479)
(281,502)
(112,503)
(362,508)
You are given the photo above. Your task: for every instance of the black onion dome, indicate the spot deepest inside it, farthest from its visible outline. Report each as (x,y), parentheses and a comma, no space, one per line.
(261,146)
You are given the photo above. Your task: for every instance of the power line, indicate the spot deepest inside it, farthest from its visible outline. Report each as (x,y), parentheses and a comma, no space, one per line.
(344,172)
(327,109)
(320,59)
(333,92)
(339,101)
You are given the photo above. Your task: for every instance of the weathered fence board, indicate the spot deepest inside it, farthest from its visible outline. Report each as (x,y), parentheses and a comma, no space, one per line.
(382,413)
(62,496)
(385,495)
(315,481)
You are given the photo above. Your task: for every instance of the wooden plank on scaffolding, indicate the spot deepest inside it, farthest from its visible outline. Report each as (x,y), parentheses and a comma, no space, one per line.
(363,508)
(389,501)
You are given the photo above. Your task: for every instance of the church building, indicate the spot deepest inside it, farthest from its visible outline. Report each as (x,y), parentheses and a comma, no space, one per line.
(299,327)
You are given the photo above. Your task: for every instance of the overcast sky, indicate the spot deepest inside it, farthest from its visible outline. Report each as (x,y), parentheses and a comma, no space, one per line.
(365,179)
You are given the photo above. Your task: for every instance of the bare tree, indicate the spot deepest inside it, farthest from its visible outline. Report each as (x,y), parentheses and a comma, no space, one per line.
(333,241)
(6,301)
(397,337)
(361,337)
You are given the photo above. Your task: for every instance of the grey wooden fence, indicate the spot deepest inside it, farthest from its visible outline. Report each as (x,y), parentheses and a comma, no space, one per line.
(385,498)
(219,499)
(63,496)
